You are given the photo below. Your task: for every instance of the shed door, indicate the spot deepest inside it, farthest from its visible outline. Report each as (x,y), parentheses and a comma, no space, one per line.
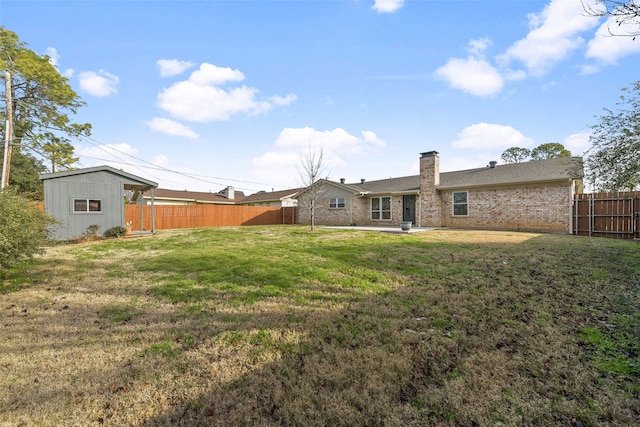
(409,208)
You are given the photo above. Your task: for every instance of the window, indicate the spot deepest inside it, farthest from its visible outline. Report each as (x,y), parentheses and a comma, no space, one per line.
(460,203)
(337,203)
(381,208)
(87,205)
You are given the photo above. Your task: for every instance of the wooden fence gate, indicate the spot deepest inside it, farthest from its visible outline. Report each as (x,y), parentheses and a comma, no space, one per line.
(613,215)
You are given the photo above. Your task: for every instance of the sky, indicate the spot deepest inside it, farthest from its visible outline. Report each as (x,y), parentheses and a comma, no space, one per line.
(201,95)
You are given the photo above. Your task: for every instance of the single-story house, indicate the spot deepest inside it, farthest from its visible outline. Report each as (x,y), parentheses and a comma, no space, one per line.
(535,195)
(284,198)
(92,196)
(227,196)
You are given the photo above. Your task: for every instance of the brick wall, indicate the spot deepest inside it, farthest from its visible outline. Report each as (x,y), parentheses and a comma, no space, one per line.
(534,207)
(326,215)
(357,211)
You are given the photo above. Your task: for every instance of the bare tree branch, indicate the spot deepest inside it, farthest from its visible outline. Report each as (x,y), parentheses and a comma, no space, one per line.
(625,14)
(312,169)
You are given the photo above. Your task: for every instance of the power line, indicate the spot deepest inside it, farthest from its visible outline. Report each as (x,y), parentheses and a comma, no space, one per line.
(199,177)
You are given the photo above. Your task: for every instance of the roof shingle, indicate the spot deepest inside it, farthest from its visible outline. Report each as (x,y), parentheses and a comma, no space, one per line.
(558,169)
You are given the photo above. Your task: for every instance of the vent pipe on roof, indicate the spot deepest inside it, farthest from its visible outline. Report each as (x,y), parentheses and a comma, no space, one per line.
(492,164)
(341,180)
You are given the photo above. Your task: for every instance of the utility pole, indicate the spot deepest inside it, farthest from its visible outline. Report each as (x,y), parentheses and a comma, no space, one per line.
(8,132)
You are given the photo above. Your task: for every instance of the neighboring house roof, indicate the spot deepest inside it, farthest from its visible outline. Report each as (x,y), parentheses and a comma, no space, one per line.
(133,179)
(272,196)
(195,196)
(558,169)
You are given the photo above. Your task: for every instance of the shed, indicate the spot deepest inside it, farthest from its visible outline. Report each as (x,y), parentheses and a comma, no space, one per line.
(93,196)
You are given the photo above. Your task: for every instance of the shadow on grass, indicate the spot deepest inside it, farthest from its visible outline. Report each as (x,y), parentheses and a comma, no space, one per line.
(400,330)
(470,335)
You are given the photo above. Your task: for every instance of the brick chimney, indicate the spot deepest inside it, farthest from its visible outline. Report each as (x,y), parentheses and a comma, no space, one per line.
(430,201)
(429,169)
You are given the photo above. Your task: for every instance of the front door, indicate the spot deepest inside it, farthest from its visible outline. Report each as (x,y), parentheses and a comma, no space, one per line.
(409,208)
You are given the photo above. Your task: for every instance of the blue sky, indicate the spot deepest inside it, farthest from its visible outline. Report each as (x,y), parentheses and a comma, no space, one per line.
(200,95)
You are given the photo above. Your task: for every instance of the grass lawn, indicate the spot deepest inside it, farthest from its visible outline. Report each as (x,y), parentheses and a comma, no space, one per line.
(278,326)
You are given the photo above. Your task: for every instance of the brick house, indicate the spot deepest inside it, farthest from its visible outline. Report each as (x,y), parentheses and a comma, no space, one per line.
(535,195)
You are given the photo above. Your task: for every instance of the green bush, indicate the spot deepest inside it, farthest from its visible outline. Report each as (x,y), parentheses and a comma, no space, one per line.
(116,231)
(24,229)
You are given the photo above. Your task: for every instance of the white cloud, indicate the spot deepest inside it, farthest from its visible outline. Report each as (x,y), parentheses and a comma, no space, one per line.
(334,143)
(478,46)
(387,6)
(54,58)
(209,74)
(53,55)
(98,84)
(608,48)
(277,160)
(197,103)
(283,100)
(577,143)
(483,136)
(371,138)
(170,127)
(172,67)
(472,75)
(292,145)
(589,69)
(554,35)
(201,99)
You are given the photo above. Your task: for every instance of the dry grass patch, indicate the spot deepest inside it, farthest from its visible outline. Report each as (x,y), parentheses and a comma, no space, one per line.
(277,326)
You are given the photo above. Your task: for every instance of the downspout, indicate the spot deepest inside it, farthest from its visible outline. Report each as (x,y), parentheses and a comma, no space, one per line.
(419,209)
(140,201)
(571,201)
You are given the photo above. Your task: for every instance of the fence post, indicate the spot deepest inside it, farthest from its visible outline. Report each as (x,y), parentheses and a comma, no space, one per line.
(591,219)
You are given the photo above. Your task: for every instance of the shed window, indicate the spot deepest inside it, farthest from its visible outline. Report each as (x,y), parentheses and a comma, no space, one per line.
(381,208)
(87,205)
(337,203)
(460,203)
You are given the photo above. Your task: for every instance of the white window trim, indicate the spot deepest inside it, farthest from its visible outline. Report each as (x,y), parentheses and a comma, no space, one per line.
(453,204)
(381,210)
(88,200)
(337,203)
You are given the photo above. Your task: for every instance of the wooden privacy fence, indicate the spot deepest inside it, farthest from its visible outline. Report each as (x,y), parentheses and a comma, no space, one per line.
(613,215)
(192,216)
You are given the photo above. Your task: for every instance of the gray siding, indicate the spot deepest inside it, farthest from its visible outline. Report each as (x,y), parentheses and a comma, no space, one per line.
(103,186)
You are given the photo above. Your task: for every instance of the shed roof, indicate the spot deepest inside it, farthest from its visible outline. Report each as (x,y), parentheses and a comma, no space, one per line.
(130,178)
